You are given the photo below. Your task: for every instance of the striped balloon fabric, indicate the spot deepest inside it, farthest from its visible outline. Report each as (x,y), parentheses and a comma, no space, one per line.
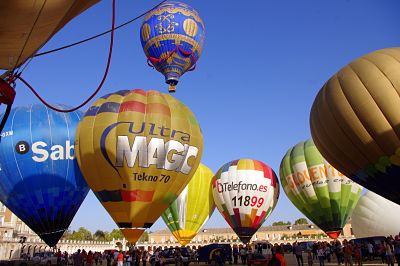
(191,210)
(319,191)
(137,151)
(245,192)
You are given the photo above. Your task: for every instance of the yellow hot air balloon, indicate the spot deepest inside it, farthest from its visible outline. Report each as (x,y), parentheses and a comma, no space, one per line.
(191,210)
(355,122)
(137,151)
(132,234)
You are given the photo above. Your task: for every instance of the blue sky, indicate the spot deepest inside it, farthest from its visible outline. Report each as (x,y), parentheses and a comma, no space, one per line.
(262,65)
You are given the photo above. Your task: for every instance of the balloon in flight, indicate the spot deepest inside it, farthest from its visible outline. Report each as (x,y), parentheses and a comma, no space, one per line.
(245,191)
(137,151)
(191,210)
(27,25)
(355,122)
(40,180)
(319,191)
(172,36)
(375,216)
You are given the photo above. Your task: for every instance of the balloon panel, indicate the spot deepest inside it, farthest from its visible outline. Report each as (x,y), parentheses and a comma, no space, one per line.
(191,210)
(318,190)
(137,151)
(173,33)
(375,216)
(245,192)
(132,234)
(355,121)
(40,179)
(40,18)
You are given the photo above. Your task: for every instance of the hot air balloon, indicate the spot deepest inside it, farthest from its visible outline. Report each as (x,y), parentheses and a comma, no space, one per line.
(138,150)
(355,122)
(375,216)
(245,192)
(191,210)
(318,190)
(40,180)
(172,36)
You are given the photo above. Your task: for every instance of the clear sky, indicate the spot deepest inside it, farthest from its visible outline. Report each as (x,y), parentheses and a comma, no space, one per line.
(262,65)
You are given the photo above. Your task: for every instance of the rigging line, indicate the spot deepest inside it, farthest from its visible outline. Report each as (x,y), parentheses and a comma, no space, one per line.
(100,85)
(100,34)
(29,35)
(29,60)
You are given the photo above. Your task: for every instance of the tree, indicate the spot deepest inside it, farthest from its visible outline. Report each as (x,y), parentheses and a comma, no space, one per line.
(301,221)
(81,234)
(99,235)
(115,234)
(281,223)
(144,237)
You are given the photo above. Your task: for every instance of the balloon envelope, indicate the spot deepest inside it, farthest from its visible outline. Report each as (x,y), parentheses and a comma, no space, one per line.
(375,216)
(245,191)
(172,36)
(137,151)
(26,25)
(40,180)
(318,190)
(191,210)
(355,122)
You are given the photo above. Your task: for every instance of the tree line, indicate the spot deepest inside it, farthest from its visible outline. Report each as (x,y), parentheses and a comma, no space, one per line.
(84,234)
(298,221)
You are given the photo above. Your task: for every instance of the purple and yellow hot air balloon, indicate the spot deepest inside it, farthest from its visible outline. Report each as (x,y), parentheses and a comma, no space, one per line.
(172,37)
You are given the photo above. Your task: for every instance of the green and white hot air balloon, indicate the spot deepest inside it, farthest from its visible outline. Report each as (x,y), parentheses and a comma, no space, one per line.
(191,210)
(318,190)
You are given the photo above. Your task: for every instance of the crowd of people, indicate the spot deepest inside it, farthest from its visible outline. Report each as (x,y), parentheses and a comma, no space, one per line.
(348,253)
(351,253)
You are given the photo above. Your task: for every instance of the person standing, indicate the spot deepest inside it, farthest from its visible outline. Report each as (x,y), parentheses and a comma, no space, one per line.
(370,249)
(309,258)
(144,257)
(120,258)
(243,255)
(389,252)
(298,251)
(235,254)
(348,253)
(321,255)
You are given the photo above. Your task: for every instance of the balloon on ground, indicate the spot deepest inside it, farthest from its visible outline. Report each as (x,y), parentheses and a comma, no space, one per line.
(27,25)
(245,191)
(375,216)
(319,191)
(355,122)
(40,180)
(172,36)
(138,150)
(191,210)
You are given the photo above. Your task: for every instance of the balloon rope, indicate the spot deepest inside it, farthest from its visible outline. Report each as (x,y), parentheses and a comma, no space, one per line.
(100,34)
(101,83)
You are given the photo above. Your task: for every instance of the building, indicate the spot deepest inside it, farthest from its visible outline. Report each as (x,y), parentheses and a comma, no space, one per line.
(274,234)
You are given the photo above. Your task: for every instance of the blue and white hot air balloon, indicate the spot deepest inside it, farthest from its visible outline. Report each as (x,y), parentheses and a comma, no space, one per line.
(40,180)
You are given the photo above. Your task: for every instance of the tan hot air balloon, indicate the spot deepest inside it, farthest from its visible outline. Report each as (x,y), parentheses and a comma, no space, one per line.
(26,25)
(355,122)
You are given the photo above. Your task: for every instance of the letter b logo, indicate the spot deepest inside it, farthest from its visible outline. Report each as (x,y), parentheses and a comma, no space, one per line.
(22,147)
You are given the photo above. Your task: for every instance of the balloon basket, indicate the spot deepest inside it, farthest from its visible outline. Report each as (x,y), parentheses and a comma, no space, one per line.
(334,234)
